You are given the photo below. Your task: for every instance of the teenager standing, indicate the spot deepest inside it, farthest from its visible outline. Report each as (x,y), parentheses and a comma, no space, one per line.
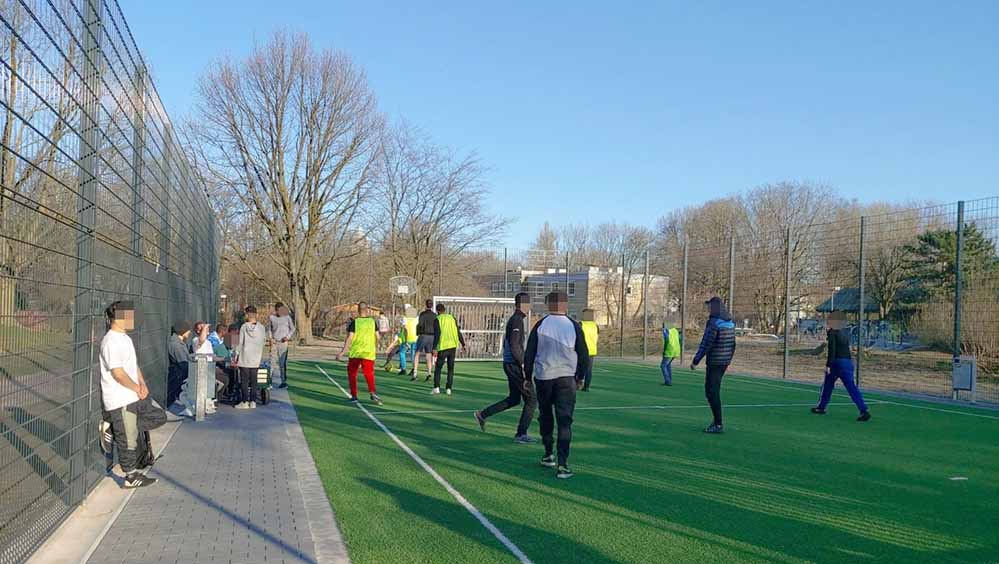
(839,366)
(718,345)
(249,352)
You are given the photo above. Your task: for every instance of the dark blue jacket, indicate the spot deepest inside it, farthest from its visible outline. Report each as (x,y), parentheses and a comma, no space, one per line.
(718,342)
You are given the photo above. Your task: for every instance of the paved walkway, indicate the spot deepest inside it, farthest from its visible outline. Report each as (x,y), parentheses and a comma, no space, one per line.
(238,488)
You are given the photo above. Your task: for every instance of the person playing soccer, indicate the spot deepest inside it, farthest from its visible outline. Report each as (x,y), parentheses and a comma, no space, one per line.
(407,348)
(718,345)
(592,334)
(362,344)
(671,351)
(513,366)
(424,340)
(557,359)
(839,366)
(447,337)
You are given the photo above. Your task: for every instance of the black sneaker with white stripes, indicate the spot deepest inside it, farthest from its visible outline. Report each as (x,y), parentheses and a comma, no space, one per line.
(564,473)
(137,480)
(480,420)
(548,461)
(107,439)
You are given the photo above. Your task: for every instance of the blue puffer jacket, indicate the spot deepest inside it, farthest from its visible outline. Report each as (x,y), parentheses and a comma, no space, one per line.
(718,342)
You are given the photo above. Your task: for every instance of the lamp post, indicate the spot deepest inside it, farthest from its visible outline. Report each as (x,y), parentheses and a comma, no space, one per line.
(832,302)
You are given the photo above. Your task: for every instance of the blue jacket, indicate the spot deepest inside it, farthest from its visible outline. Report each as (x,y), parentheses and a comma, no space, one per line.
(718,342)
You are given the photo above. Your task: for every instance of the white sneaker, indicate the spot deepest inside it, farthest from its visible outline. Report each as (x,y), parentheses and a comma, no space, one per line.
(242,405)
(252,405)
(435,392)
(448,391)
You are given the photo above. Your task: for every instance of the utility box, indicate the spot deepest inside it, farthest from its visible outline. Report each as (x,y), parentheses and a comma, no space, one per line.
(201,381)
(964,375)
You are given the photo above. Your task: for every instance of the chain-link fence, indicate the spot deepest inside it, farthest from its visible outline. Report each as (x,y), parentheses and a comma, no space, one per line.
(97,203)
(898,276)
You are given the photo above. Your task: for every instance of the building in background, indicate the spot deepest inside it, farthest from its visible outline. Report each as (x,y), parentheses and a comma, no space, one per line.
(593,287)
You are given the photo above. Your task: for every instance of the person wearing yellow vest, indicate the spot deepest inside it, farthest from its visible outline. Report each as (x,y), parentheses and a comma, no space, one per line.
(447,337)
(671,351)
(407,349)
(361,347)
(591,335)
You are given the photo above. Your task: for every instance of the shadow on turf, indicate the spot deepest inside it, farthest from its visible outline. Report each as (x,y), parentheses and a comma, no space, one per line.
(449,513)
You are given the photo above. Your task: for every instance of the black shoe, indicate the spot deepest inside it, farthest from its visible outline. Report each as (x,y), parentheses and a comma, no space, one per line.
(548,461)
(375,399)
(564,473)
(865,416)
(137,480)
(714,429)
(353,399)
(818,411)
(585,389)
(427,379)
(667,384)
(283,385)
(402,373)
(480,420)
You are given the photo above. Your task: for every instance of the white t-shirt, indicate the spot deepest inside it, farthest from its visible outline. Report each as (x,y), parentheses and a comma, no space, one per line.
(117,351)
(204,348)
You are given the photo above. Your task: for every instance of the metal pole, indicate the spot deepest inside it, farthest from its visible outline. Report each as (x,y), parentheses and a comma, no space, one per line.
(621,306)
(440,271)
(787,299)
(958,258)
(731,273)
(645,309)
(506,281)
(683,301)
(86,213)
(862,309)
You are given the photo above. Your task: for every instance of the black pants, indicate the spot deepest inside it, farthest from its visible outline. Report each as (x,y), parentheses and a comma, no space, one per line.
(442,356)
(248,383)
(518,390)
(589,373)
(557,401)
(130,426)
(712,389)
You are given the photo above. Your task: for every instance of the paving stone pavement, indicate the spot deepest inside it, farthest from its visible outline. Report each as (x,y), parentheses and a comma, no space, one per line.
(237,488)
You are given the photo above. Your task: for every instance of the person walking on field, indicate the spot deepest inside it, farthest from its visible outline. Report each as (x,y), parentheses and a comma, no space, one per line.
(557,359)
(128,409)
(592,334)
(671,351)
(718,345)
(424,340)
(361,348)
(249,352)
(408,346)
(513,365)
(280,330)
(447,337)
(839,366)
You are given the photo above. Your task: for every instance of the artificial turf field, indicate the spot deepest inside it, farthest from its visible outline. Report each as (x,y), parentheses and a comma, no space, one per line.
(781,485)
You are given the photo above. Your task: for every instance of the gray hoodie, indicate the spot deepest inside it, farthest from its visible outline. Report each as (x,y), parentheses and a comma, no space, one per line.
(252,337)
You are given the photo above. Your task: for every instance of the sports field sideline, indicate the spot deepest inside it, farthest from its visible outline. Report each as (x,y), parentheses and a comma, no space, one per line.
(416,480)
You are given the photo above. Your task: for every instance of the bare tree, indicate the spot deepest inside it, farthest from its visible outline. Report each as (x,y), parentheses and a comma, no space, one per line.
(293,133)
(430,201)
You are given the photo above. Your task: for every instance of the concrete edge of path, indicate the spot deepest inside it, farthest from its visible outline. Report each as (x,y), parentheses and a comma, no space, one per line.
(77,537)
(326,537)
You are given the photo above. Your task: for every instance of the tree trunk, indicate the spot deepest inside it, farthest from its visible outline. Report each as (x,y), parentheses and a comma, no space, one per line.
(303,320)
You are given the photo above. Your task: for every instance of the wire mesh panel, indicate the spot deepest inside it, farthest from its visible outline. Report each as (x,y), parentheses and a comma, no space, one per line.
(97,203)
(979,323)
(482,322)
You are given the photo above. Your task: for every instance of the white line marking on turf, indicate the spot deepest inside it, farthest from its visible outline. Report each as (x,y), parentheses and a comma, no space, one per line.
(958,479)
(440,480)
(926,407)
(613,407)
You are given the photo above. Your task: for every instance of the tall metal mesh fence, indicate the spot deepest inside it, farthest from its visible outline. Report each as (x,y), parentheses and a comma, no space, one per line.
(916,295)
(97,203)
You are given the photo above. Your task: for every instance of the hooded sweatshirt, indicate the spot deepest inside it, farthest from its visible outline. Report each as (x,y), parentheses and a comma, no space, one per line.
(252,337)
(718,342)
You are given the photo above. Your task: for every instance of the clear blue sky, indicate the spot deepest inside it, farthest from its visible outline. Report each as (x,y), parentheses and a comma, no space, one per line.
(624,111)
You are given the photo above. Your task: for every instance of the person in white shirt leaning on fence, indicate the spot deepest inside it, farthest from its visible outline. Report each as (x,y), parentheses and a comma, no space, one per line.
(128,409)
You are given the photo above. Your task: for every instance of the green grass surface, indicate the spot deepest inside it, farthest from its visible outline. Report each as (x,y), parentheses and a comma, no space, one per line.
(782,485)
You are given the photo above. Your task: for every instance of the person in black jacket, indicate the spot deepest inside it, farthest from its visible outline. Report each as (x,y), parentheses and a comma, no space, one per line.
(513,365)
(424,341)
(718,345)
(839,366)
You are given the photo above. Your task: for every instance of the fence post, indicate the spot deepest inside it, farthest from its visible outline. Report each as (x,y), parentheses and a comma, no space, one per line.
(506,281)
(621,306)
(731,273)
(958,275)
(86,210)
(440,270)
(645,309)
(683,301)
(787,300)
(567,273)
(862,307)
